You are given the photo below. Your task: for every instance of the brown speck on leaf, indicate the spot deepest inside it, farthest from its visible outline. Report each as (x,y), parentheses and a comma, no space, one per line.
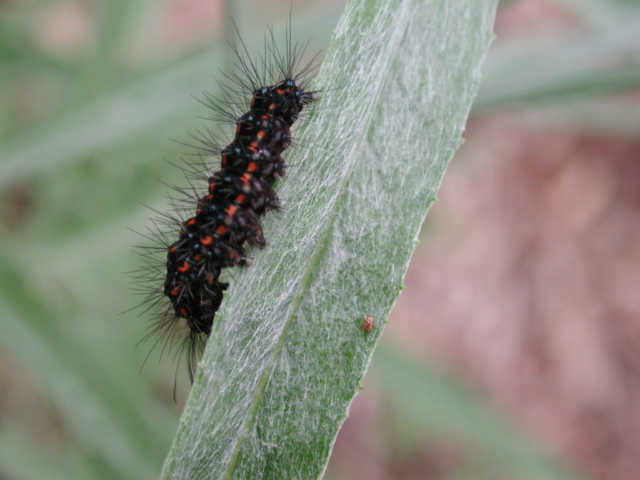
(367,323)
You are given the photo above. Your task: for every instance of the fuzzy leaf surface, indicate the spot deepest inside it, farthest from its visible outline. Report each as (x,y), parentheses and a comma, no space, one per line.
(288,352)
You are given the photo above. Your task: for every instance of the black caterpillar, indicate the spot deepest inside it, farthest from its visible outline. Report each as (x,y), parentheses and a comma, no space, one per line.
(226,216)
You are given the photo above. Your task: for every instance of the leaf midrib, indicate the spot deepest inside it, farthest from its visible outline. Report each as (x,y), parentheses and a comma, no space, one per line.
(321,243)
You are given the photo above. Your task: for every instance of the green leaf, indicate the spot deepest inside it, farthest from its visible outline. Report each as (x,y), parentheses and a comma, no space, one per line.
(288,351)
(609,116)
(601,13)
(561,68)
(108,423)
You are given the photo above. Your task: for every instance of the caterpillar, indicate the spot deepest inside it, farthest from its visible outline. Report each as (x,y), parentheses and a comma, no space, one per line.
(206,230)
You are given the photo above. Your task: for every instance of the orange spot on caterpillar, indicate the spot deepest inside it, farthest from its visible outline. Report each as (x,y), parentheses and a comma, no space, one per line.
(191,221)
(240,199)
(221,229)
(252,167)
(184,268)
(207,240)
(231,211)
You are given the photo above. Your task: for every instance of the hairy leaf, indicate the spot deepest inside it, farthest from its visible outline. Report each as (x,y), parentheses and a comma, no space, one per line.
(288,351)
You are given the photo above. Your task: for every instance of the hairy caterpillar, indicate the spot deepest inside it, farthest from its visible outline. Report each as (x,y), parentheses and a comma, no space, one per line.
(205,231)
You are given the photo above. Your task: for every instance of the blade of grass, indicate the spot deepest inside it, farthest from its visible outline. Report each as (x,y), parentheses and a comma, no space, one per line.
(559,68)
(93,407)
(288,351)
(600,13)
(608,116)
(115,119)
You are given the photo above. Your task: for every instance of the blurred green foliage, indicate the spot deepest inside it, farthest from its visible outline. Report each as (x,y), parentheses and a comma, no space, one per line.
(83,131)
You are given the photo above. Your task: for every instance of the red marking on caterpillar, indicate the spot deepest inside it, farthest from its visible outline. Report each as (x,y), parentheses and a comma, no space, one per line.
(181,274)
